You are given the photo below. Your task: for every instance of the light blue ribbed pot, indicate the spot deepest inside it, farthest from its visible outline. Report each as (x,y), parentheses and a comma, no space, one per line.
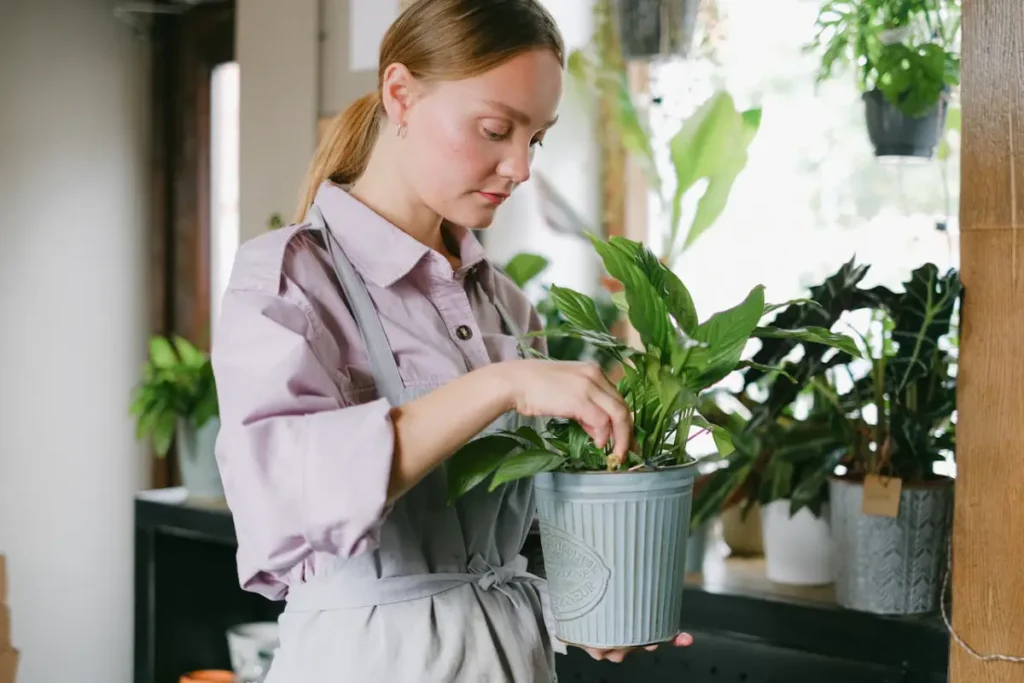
(199,473)
(615,553)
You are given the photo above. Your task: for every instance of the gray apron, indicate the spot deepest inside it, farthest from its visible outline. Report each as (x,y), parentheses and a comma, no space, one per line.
(446,595)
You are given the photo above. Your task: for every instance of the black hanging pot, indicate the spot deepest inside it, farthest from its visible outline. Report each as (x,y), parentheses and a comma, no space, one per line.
(656,28)
(893,133)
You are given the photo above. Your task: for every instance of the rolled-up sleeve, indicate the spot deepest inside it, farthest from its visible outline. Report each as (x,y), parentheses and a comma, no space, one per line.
(303,469)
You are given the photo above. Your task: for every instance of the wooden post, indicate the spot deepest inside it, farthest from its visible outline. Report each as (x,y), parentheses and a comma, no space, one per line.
(988,527)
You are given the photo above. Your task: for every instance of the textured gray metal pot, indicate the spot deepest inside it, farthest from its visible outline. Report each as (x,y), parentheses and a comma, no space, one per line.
(199,473)
(890,565)
(615,553)
(893,133)
(656,28)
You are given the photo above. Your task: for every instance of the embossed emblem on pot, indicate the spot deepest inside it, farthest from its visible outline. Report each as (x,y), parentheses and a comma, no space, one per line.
(577,576)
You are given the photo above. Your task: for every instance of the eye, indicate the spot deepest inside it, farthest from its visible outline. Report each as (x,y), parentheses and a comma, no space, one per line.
(494,135)
(539,142)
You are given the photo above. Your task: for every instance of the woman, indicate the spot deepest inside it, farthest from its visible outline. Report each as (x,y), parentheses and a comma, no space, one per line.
(362,346)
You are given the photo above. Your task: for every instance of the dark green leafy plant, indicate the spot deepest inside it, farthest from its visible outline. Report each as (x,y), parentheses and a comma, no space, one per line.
(682,358)
(907,49)
(177,384)
(779,455)
(912,382)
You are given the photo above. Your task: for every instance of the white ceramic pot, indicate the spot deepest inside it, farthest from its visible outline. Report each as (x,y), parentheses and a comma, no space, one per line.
(251,647)
(797,549)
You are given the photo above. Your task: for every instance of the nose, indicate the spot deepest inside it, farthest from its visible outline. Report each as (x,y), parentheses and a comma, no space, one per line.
(516,164)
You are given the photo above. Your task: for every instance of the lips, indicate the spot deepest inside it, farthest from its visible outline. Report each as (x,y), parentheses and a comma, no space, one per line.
(495,198)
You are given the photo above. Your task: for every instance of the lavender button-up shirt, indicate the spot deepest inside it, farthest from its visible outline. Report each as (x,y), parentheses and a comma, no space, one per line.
(306,443)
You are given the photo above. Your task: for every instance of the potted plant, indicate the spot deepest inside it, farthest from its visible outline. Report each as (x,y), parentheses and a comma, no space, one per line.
(614,533)
(782,458)
(891,512)
(906,56)
(176,402)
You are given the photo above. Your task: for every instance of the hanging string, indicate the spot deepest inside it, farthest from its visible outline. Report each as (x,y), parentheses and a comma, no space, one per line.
(995,657)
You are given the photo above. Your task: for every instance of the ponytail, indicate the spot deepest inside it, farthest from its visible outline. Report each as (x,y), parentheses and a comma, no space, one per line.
(344,151)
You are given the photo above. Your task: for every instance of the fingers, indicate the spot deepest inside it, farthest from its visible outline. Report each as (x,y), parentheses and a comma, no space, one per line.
(683,640)
(621,423)
(595,421)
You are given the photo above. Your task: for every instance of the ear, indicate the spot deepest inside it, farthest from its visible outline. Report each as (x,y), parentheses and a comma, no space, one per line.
(398,92)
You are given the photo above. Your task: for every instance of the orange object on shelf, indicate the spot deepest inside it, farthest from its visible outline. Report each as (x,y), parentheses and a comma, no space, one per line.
(208,676)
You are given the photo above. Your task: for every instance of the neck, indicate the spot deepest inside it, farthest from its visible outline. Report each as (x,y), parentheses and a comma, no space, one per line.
(382,190)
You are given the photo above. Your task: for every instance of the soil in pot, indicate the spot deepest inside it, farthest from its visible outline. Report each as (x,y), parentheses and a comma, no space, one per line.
(891,565)
(893,133)
(797,548)
(615,553)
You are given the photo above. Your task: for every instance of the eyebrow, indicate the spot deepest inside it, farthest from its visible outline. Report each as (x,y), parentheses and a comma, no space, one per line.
(516,115)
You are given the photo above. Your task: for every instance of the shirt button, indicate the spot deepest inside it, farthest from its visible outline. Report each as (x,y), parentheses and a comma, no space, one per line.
(463,332)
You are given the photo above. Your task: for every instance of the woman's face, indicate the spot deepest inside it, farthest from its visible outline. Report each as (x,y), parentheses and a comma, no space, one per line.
(469,143)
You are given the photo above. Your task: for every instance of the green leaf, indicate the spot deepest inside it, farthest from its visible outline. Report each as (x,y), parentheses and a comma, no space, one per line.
(578,309)
(530,434)
(726,335)
(475,461)
(161,353)
(813,335)
(189,354)
(721,435)
(522,268)
(647,310)
(767,369)
(770,308)
(163,432)
(680,303)
(525,464)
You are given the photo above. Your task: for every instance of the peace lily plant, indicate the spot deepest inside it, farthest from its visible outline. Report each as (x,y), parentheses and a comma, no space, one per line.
(662,384)
(613,532)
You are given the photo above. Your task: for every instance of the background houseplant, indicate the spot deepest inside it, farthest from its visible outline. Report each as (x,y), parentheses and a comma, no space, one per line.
(711,144)
(891,512)
(606,539)
(176,402)
(905,54)
(784,456)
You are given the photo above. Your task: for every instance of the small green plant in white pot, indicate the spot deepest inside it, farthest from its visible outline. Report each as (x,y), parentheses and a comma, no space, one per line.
(176,402)
(613,533)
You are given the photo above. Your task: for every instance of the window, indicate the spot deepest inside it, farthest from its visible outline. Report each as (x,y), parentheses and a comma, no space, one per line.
(224,155)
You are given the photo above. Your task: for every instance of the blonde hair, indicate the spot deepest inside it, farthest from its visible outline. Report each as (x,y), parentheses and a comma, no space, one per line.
(435,40)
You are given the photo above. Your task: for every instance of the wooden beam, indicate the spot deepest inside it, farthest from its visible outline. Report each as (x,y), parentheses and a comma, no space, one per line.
(988,527)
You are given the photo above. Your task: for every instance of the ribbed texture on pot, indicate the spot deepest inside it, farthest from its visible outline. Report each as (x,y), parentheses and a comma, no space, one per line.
(614,550)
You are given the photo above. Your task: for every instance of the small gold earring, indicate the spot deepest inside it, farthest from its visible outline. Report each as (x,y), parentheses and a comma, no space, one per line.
(401,130)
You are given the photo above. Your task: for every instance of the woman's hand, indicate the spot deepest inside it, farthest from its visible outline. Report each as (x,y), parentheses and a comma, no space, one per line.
(682,640)
(573,390)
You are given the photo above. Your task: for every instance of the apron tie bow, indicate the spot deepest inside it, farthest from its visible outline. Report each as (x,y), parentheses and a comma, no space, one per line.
(496,578)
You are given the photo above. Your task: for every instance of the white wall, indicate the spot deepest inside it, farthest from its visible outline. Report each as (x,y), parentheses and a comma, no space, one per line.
(74,174)
(277,47)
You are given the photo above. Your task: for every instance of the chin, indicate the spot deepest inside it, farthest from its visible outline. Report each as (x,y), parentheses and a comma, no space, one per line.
(474,220)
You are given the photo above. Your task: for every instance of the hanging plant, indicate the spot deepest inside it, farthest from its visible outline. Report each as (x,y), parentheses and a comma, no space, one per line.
(906,57)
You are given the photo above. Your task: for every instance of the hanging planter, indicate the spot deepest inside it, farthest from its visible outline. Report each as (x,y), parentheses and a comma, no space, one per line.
(656,28)
(894,133)
(906,62)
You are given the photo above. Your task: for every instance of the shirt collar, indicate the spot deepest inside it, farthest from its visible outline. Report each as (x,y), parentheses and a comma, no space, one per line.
(381,251)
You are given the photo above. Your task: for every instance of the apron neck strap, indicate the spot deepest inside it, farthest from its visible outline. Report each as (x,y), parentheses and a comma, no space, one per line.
(378,349)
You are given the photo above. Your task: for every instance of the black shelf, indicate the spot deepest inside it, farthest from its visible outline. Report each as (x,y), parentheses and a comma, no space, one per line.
(187,596)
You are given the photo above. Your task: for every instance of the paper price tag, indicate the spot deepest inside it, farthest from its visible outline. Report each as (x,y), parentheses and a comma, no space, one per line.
(881,496)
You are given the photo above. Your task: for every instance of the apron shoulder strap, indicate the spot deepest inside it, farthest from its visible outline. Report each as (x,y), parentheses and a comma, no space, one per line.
(378,349)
